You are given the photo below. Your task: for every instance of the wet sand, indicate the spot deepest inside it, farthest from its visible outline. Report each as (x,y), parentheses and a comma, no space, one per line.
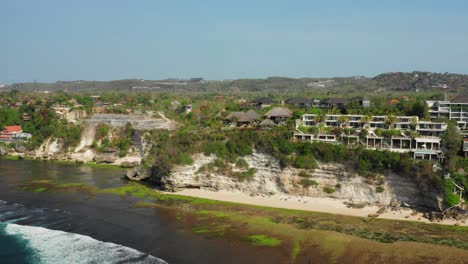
(324,205)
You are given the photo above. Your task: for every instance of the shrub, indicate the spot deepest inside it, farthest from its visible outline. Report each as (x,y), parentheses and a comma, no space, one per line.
(241,163)
(304,174)
(328,189)
(306,183)
(451,198)
(245,175)
(305,162)
(102,131)
(185,159)
(379,189)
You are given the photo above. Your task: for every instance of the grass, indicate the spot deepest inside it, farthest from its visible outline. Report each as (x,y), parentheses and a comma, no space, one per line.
(11,157)
(40,189)
(263,240)
(295,250)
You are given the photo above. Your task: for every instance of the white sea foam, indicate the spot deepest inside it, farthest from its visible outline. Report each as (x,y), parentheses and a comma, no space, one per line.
(53,246)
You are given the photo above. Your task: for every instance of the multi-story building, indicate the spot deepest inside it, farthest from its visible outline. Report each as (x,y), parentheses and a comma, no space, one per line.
(456,110)
(424,143)
(360,121)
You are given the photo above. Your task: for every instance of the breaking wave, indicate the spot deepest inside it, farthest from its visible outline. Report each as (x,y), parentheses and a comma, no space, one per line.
(28,244)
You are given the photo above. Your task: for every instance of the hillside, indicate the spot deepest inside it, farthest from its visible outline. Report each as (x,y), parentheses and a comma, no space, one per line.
(400,81)
(386,82)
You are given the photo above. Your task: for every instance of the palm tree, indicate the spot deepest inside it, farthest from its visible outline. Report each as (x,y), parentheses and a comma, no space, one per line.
(366,119)
(319,118)
(343,120)
(390,120)
(414,122)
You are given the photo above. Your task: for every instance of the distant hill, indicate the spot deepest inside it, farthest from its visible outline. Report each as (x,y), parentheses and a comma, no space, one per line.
(387,82)
(401,81)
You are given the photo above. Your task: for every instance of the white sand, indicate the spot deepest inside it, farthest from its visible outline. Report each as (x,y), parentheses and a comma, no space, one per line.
(325,205)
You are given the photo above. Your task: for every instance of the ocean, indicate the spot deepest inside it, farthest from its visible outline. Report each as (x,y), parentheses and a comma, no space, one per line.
(36,244)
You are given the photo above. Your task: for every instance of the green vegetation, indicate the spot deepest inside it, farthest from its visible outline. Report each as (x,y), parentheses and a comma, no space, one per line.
(245,175)
(379,189)
(241,163)
(295,250)
(305,162)
(263,240)
(306,183)
(451,198)
(328,189)
(452,143)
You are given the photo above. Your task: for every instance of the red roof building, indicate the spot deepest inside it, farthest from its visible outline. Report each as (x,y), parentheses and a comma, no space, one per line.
(12,129)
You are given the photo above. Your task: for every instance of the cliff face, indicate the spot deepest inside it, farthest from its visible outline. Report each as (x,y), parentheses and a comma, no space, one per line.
(53,149)
(270,179)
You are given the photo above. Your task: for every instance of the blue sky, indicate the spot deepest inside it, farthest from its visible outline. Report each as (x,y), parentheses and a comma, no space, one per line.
(111,39)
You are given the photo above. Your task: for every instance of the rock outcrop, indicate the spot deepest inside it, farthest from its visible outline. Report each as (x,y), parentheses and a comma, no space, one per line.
(3,151)
(104,158)
(138,173)
(20,148)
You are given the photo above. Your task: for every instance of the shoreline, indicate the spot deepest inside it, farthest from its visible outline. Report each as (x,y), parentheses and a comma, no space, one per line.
(283,201)
(19,157)
(312,204)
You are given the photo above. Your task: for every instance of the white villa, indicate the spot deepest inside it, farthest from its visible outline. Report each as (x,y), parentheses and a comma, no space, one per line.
(425,143)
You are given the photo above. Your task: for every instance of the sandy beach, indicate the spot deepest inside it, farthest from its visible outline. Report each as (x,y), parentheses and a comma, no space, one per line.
(325,205)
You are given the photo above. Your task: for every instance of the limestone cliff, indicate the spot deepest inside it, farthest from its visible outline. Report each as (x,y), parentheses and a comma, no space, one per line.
(270,179)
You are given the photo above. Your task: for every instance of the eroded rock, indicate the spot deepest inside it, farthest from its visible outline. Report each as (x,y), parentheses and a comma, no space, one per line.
(3,151)
(104,158)
(138,173)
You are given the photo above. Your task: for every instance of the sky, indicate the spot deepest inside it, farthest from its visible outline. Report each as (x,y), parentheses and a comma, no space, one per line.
(48,40)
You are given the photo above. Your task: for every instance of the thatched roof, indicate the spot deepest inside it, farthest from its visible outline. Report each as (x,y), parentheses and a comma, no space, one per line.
(252,114)
(279,112)
(235,115)
(267,122)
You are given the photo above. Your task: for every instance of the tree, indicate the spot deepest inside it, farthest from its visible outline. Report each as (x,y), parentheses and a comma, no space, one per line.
(419,109)
(452,141)
(366,120)
(390,120)
(319,118)
(344,120)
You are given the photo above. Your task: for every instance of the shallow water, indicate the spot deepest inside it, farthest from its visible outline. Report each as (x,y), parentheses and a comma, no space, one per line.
(91,221)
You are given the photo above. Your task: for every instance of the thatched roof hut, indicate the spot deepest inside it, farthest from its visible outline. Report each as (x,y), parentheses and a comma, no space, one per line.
(279,112)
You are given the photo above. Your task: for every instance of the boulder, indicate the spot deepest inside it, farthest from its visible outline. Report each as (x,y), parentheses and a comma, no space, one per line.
(138,174)
(3,151)
(104,158)
(127,164)
(20,148)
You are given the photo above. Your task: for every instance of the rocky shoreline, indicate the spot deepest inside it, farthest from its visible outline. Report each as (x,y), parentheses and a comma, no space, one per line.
(397,194)
(88,156)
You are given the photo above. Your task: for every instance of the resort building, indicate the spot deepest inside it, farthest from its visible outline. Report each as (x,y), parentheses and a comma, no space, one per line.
(279,115)
(13,134)
(456,110)
(404,134)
